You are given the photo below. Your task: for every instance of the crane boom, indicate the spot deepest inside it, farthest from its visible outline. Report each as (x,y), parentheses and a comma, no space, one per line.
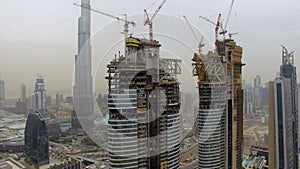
(126,22)
(190,26)
(218,25)
(201,44)
(208,20)
(149,21)
(106,14)
(158,9)
(229,12)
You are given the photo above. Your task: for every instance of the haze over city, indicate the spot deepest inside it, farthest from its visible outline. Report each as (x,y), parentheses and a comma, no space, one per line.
(139,84)
(39,37)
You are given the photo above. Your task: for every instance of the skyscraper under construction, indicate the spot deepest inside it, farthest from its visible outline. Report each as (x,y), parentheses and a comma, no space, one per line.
(212,110)
(231,55)
(143,103)
(220,115)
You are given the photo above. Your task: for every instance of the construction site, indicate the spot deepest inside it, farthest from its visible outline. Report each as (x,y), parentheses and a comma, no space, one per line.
(144,102)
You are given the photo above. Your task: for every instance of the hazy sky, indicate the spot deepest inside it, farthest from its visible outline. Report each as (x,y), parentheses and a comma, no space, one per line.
(40,37)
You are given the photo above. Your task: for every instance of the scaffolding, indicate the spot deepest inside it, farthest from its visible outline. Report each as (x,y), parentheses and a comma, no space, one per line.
(143,91)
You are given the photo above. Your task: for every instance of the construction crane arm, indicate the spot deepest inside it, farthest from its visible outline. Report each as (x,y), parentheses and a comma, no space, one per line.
(228,16)
(158,9)
(201,44)
(218,25)
(210,21)
(106,14)
(148,21)
(190,26)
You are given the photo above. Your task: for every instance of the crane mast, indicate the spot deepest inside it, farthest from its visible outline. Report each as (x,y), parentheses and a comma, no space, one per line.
(218,25)
(149,21)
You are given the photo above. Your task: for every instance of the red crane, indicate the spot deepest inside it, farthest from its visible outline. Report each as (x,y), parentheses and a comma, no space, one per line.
(218,25)
(149,21)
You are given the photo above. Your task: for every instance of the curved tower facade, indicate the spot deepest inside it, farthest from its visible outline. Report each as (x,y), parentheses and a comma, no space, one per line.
(36,140)
(143,102)
(212,112)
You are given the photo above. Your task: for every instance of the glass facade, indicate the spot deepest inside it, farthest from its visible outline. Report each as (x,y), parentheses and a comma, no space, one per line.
(289,71)
(280,125)
(36,140)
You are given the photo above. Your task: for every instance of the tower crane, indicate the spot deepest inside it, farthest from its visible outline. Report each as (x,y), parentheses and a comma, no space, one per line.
(218,25)
(201,44)
(126,21)
(229,12)
(199,69)
(149,21)
(230,34)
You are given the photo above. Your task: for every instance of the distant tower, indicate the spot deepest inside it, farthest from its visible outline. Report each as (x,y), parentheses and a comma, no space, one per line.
(57,101)
(40,95)
(188,103)
(23,93)
(2,92)
(248,99)
(82,90)
(36,140)
(298,88)
(283,116)
(257,92)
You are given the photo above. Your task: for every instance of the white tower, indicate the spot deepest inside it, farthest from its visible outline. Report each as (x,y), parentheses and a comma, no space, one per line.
(83,91)
(40,95)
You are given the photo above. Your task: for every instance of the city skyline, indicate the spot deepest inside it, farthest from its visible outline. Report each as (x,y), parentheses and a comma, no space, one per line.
(64,26)
(183,90)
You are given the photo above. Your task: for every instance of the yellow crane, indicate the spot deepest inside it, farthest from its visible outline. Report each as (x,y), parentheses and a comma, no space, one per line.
(199,68)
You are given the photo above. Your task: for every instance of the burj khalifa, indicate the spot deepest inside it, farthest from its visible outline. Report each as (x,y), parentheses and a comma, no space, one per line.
(82,89)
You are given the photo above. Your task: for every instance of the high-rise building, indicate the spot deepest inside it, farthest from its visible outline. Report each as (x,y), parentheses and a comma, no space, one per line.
(248,99)
(298,87)
(265,96)
(48,100)
(212,112)
(288,70)
(23,93)
(257,92)
(82,89)
(280,114)
(231,55)
(21,107)
(283,116)
(57,100)
(2,92)
(36,140)
(76,126)
(143,103)
(40,95)
(188,103)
